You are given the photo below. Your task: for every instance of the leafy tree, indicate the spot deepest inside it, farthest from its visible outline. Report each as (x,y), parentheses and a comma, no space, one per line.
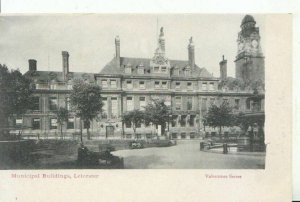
(62,115)
(86,101)
(133,118)
(219,116)
(157,113)
(15,94)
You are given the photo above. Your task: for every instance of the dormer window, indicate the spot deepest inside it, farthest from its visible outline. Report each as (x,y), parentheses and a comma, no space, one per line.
(141,70)
(127,70)
(187,72)
(176,72)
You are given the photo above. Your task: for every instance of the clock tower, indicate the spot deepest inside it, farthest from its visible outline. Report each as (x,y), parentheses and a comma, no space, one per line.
(249,63)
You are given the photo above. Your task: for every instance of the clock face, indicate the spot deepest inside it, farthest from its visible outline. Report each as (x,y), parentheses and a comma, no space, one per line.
(254,43)
(241,46)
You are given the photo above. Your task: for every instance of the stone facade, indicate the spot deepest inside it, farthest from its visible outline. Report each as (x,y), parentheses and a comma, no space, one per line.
(131,83)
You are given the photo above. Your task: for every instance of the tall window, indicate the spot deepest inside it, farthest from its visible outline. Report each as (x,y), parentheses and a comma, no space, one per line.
(178,103)
(204,86)
(156,69)
(142,103)
(156,84)
(114,107)
(53,103)
(163,69)
(225,100)
(204,104)
(190,86)
(104,108)
(142,84)
(36,124)
(248,104)
(189,103)
(104,83)
(113,83)
(164,85)
(129,84)
(68,105)
(212,101)
(130,106)
(53,123)
(177,85)
(237,104)
(211,86)
(36,103)
(70,123)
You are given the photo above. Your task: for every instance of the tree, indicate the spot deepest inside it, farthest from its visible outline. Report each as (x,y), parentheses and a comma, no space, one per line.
(219,116)
(15,95)
(62,115)
(133,118)
(158,114)
(87,103)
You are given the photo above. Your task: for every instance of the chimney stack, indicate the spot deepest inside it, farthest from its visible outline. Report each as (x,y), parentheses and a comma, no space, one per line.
(65,62)
(223,69)
(117,44)
(191,52)
(32,65)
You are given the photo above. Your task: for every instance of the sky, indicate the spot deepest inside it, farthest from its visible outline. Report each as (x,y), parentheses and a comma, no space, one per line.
(89,39)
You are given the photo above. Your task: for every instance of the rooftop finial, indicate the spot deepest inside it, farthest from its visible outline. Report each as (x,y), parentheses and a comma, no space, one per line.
(161,32)
(223,57)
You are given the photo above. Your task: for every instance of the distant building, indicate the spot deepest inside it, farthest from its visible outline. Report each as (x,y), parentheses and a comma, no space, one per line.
(131,83)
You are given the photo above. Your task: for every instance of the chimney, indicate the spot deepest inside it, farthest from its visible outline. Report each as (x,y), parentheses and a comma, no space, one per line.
(117,44)
(223,69)
(32,65)
(65,63)
(191,51)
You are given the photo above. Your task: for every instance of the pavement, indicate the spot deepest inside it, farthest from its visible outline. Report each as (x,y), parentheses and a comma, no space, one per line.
(187,155)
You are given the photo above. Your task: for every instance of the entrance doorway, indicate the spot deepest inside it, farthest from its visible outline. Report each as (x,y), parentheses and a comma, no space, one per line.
(109,131)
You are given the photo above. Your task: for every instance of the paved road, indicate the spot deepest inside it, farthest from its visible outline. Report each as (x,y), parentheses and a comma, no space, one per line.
(186,154)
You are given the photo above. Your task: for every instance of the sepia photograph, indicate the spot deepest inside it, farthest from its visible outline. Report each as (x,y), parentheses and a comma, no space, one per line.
(132,91)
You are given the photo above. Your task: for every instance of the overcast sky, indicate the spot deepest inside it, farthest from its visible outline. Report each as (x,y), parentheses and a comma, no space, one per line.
(89,39)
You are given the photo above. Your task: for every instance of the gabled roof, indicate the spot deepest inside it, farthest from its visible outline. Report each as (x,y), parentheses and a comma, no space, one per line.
(112,67)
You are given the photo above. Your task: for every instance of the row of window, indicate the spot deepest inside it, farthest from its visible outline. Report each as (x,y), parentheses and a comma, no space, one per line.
(183,135)
(53,103)
(36,123)
(53,86)
(158,69)
(157,85)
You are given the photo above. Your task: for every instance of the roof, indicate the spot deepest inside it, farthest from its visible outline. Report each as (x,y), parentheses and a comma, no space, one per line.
(112,67)
(46,76)
(247,18)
